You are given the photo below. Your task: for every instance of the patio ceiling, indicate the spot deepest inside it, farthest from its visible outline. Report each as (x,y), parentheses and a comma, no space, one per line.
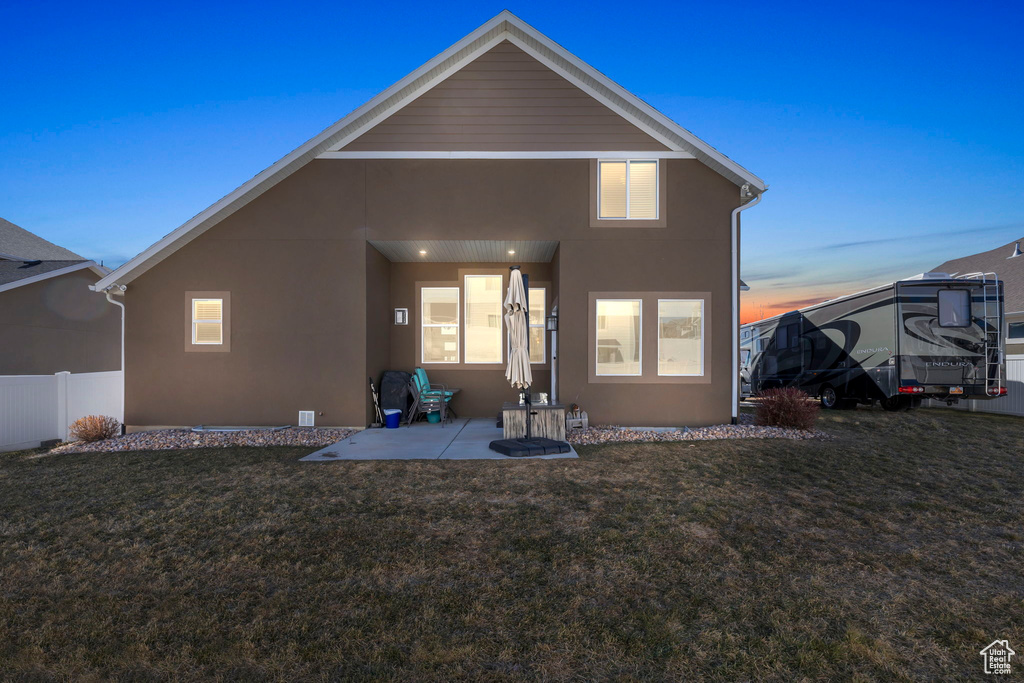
(467,251)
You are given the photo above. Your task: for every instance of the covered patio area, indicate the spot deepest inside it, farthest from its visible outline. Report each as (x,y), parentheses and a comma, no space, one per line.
(463,439)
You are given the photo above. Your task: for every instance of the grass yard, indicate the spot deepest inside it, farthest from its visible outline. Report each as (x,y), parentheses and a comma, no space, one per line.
(895,550)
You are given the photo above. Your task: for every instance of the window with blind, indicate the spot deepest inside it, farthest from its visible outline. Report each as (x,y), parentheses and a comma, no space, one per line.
(439,321)
(628,189)
(483,326)
(538,335)
(207,321)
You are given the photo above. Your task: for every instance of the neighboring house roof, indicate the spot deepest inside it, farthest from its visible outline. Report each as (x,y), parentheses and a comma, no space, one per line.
(20,273)
(331,142)
(1009,270)
(18,243)
(26,258)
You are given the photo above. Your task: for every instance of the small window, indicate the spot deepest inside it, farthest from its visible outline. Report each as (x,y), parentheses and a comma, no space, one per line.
(782,337)
(628,189)
(207,321)
(538,330)
(680,337)
(618,337)
(1016,331)
(483,328)
(439,315)
(954,308)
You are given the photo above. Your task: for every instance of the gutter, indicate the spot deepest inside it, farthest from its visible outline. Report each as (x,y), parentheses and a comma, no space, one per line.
(107,292)
(744,192)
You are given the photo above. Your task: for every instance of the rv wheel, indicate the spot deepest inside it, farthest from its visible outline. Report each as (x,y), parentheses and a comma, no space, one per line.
(829,398)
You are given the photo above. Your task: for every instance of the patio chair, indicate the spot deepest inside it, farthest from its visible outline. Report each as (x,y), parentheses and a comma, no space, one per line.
(427,397)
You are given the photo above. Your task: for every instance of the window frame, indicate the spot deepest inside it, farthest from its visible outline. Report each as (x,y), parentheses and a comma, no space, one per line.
(543,325)
(219,321)
(657,189)
(640,338)
(457,324)
(191,345)
(463,324)
(658,363)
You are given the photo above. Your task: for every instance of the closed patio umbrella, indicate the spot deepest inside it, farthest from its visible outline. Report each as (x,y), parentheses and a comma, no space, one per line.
(518,372)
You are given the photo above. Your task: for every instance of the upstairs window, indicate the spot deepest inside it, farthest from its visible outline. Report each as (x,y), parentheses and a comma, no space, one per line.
(207,321)
(628,189)
(1016,332)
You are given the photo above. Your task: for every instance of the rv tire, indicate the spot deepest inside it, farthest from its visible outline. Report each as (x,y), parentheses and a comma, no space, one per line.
(830,398)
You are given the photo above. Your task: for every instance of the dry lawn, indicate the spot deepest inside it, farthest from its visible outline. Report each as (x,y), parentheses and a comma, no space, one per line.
(894,551)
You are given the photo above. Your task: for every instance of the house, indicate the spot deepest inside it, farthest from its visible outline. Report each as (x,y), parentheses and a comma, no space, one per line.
(504,149)
(49,319)
(1007,262)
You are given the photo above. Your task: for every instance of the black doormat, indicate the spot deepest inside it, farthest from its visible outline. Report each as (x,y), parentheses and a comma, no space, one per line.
(521,448)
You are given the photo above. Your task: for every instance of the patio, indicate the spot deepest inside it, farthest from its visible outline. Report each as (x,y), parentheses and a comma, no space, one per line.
(462,439)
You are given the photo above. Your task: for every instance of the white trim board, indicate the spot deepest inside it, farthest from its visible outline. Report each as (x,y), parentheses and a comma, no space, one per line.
(504,26)
(92,265)
(506,155)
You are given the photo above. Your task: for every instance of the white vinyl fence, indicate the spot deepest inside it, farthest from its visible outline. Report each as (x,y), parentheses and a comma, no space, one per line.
(36,408)
(1011,404)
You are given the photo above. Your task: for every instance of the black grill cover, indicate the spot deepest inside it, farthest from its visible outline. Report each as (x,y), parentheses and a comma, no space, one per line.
(394,390)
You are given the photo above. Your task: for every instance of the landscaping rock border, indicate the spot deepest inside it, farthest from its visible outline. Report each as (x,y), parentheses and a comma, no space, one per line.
(170,439)
(745,430)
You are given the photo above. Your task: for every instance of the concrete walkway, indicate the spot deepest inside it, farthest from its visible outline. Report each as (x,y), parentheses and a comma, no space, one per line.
(463,439)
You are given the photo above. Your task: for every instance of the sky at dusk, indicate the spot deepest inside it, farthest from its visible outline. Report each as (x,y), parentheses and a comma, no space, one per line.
(890,134)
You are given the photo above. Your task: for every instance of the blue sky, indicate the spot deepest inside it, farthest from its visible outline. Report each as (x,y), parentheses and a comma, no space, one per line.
(890,135)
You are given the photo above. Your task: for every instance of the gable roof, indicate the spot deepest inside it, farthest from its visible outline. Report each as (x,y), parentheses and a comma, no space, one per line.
(1009,270)
(14,274)
(18,244)
(330,142)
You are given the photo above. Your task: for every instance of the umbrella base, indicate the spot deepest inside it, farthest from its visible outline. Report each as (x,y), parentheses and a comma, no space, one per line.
(522,448)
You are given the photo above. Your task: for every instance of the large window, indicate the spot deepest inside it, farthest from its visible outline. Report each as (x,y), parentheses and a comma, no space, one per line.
(207,321)
(680,337)
(618,337)
(628,189)
(538,335)
(484,339)
(440,324)
(954,308)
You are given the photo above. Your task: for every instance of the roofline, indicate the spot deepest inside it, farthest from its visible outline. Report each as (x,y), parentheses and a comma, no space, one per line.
(504,26)
(92,265)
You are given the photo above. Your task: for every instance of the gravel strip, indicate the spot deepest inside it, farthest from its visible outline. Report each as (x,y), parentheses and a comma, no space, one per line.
(167,439)
(745,430)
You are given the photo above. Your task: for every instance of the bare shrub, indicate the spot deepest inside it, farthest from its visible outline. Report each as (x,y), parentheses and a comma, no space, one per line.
(95,428)
(787,407)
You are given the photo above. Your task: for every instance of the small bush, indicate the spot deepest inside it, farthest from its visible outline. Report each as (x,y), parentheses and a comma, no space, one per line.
(788,407)
(95,428)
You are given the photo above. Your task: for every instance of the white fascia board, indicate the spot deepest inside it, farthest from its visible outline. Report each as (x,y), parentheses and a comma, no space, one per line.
(94,267)
(506,155)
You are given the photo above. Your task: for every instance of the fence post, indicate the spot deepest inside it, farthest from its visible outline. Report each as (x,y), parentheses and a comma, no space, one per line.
(62,404)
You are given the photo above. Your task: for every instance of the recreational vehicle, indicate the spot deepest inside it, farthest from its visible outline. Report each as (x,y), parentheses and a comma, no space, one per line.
(930,336)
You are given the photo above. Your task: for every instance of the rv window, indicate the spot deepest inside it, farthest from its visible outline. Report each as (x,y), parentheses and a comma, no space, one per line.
(782,337)
(1016,331)
(794,336)
(954,308)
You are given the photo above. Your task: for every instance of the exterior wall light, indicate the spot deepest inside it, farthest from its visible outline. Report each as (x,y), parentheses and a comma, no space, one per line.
(551,323)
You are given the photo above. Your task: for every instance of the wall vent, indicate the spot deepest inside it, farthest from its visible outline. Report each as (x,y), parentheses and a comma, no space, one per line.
(305,418)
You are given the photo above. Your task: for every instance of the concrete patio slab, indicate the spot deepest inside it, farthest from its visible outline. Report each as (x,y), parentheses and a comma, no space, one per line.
(463,439)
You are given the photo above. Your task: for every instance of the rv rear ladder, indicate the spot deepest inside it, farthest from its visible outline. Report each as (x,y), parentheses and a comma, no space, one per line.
(992,322)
